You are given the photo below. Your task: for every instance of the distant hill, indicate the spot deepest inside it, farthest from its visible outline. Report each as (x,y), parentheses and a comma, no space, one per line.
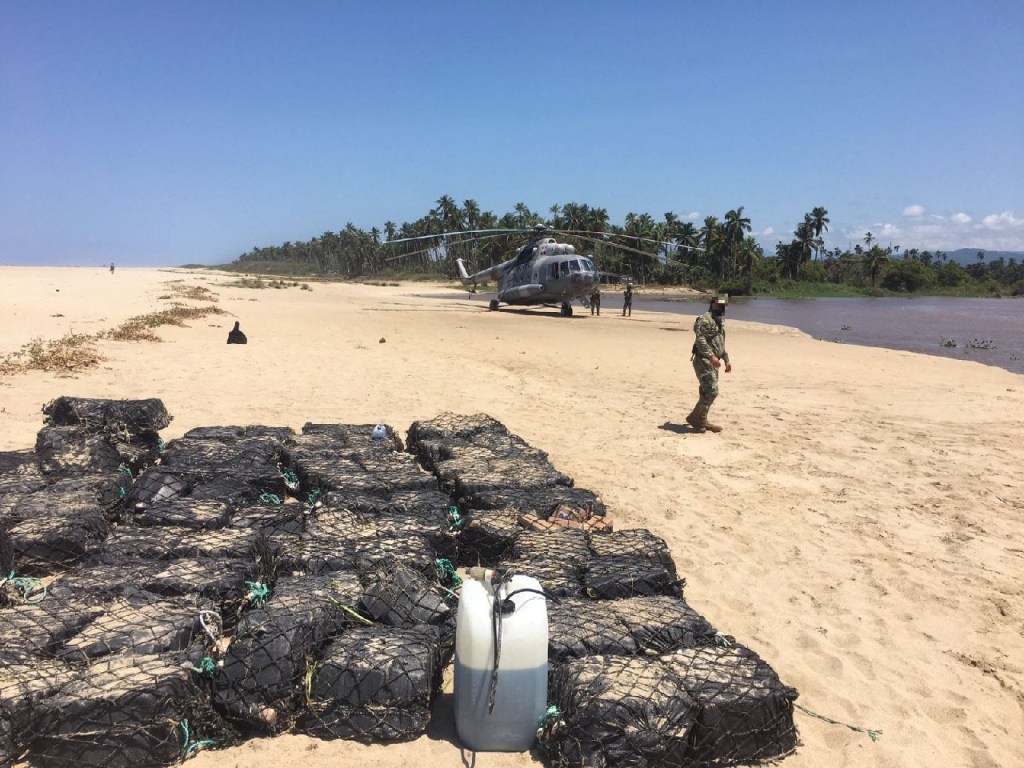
(965,256)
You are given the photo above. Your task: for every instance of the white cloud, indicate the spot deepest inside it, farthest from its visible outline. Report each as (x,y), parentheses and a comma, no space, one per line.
(913,211)
(767,231)
(1004,220)
(692,216)
(961,218)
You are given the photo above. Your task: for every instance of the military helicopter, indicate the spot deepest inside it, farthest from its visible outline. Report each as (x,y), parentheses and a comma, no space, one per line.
(543,271)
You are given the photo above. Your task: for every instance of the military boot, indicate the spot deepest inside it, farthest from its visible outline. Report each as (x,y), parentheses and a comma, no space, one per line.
(696,419)
(709,426)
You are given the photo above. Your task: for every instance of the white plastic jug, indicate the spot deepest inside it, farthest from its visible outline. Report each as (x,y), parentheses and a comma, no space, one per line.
(522,682)
(380,432)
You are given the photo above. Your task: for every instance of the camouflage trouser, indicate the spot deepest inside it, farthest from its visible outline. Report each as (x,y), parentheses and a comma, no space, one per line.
(707,375)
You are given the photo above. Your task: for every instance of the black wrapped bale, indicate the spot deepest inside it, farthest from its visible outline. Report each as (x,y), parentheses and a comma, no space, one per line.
(137,452)
(26,680)
(183,512)
(540,501)
(145,624)
(634,542)
(403,597)
(611,577)
(125,712)
(128,543)
(260,682)
(557,579)
(113,416)
(230,584)
(618,711)
(160,484)
(63,451)
(315,555)
(488,537)
(578,627)
(374,684)
(271,521)
(66,529)
(38,628)
(745,713)
(100,583)
(560,545)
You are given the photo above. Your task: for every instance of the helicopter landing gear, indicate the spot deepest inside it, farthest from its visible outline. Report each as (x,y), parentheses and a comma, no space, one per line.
(566,309)
(493,306)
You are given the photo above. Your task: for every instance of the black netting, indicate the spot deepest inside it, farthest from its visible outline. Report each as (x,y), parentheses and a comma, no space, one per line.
(70,450)
(138,451)
(619,711)
(540,501)
(160,484)
(261,680)
(561,545)
(374,684)
(579,627)
(488,537)
(113,416)
(616,576)
(126,711)
(54,530)
(559,579)
(185,512)
(745,713)
(270,520)
(26,681)
(403,597)
(39,627)
(146,624)
(635,542)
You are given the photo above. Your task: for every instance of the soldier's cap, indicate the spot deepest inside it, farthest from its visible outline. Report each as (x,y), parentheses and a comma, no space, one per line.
(721,299)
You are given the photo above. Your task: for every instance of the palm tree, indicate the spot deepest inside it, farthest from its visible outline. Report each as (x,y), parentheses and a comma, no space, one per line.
(818,219)
(874,260)
(869,239)
(735,229)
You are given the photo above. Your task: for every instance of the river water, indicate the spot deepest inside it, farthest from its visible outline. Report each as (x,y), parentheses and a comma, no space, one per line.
(989,331)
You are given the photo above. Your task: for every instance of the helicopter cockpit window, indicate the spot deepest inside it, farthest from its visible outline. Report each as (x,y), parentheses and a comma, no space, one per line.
(574,265)
(588,265)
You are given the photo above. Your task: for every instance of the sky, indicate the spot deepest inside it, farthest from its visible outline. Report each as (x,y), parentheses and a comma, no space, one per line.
(160,134)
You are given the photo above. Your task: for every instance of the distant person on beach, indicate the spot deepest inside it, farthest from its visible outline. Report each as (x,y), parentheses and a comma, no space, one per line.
(708,354)
(595,300)
(235,335)
(111,267)
(627,300)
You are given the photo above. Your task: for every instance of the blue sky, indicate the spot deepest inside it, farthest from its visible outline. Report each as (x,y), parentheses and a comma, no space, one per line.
(155,134)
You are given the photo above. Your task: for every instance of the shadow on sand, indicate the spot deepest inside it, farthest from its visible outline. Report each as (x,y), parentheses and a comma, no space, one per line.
(679,429)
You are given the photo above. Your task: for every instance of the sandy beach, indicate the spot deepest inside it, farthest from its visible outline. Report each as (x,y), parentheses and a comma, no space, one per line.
(859,523)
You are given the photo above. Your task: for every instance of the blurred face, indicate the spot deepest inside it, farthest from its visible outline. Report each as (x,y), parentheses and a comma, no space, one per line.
(718,309)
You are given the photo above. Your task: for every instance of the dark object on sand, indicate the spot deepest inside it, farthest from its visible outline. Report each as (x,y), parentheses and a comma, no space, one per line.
(235,336)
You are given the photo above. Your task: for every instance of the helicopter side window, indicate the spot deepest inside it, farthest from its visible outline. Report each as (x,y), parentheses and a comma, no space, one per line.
(554,270)
(574,265)
(564,268)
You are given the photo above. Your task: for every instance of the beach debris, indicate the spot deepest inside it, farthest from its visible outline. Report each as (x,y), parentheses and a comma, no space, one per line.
(235,335)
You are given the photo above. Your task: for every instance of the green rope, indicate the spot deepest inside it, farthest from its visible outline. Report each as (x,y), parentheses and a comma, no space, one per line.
(271,498)
(258,592)
(206,667)
(27,585)
(445,570)
(454,518)
(127,471)
(311,499)
(187,745)
(290,478)
(160,445)
(873,734)
(551,713)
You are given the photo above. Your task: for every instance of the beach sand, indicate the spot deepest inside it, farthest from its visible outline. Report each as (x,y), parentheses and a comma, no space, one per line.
(859,523)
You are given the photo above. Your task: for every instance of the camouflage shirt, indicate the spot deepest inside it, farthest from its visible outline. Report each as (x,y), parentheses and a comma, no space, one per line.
(710,337)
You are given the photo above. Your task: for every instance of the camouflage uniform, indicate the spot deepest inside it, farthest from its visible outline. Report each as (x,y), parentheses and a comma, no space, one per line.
(595,301)
(709,342)
(627,300)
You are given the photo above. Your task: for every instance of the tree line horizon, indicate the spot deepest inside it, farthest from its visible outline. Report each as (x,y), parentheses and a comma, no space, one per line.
(720,255)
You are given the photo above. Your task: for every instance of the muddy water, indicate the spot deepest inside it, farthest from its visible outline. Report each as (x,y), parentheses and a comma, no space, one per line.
(990,331)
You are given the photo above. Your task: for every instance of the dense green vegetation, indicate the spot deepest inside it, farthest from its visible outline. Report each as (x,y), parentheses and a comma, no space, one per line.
(720,254)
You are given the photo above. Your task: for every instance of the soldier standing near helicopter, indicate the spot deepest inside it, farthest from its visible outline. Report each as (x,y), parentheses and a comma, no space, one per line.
(595,300)
(708,355)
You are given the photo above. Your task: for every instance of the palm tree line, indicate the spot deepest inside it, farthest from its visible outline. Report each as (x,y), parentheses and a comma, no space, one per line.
(719,254)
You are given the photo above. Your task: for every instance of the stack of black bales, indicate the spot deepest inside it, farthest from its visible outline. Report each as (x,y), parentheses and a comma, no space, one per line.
(494,477)
(638,676)
(355,632)
(96,665)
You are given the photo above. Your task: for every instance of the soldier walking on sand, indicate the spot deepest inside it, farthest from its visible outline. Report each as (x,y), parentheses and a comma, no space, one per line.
(708,355)
(627,300)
